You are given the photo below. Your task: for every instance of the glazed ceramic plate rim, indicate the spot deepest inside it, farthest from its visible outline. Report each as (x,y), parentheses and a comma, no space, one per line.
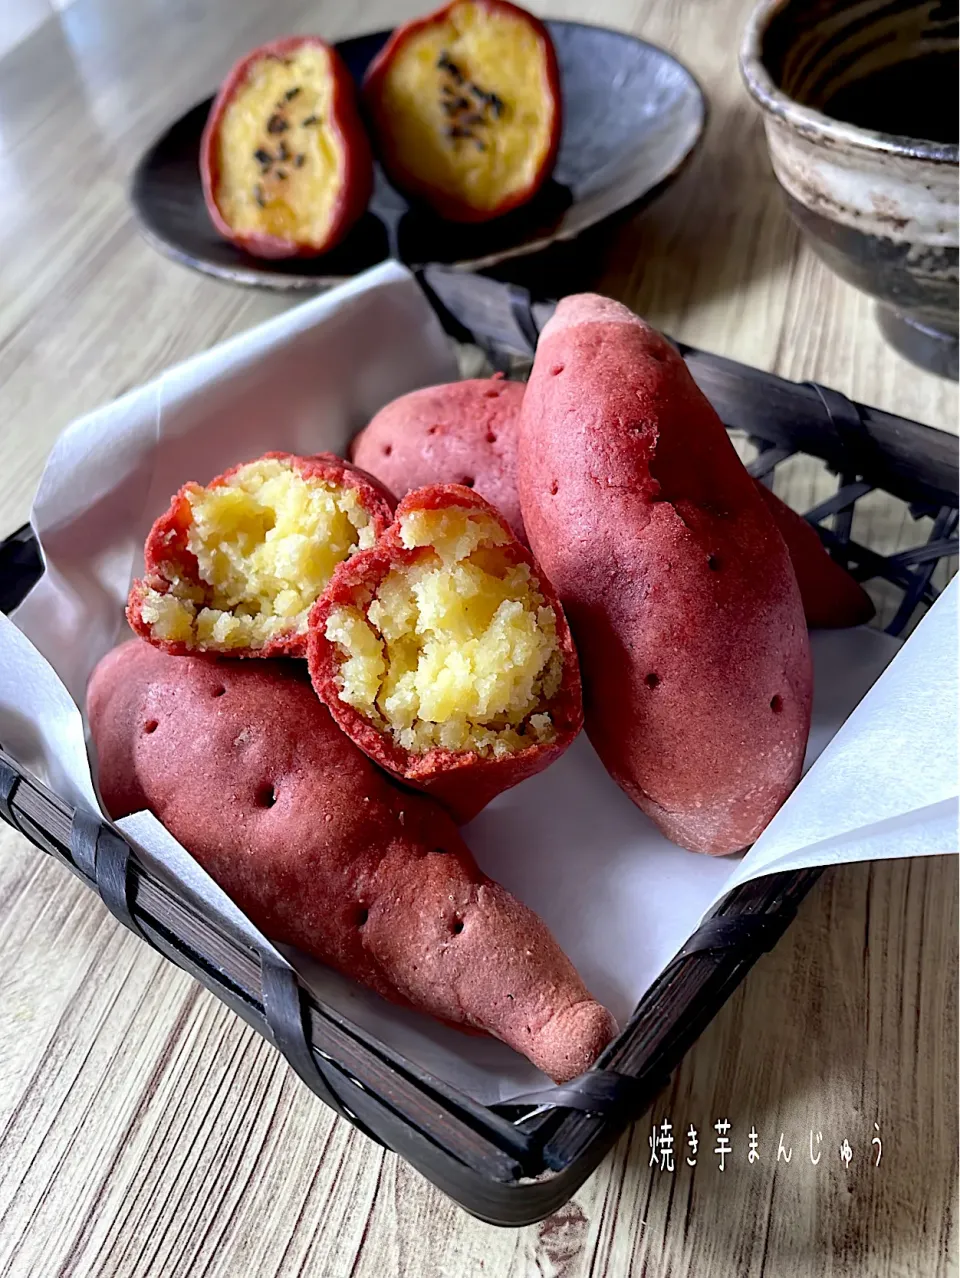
(260,274)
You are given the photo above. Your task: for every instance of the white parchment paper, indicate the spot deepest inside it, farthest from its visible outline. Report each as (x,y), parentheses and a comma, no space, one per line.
(620,898)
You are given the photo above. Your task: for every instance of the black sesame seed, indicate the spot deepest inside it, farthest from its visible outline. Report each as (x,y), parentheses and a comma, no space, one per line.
(299,161)
(497,104)
(263,157)
(311,119)
(277,124)
(292,93)
(445,63)
(258,196)
(281,175)
(282,152)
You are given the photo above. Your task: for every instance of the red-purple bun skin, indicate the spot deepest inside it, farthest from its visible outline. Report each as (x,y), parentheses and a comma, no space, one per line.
(831,598)
(459,433)
(245,767)
(676,583)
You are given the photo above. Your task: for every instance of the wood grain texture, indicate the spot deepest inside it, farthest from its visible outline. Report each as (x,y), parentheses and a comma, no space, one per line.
(144,1130)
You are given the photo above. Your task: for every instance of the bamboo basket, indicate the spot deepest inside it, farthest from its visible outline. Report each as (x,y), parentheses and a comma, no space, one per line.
(512,1164)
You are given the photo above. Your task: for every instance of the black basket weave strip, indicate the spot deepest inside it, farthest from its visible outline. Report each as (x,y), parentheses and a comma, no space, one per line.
(515,1163)
(20,567)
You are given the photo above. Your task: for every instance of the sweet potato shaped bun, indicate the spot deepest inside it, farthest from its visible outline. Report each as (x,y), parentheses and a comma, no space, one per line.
(444,654)
(284,159)
(678,587)
(831,597)
(465,107)
(460,433)
(246,768)
(236,566)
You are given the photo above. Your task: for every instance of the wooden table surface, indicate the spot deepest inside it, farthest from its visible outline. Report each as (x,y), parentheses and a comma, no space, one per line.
(144,1130)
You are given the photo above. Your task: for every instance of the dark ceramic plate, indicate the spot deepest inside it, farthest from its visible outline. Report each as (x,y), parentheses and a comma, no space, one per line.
(632,116)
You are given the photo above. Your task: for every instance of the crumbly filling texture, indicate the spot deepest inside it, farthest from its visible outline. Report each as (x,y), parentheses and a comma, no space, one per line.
(458,650)
(267,542)
(467,105)
(281,163)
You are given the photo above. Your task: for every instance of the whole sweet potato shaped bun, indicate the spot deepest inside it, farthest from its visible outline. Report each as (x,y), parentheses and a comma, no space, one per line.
(444,653)
(235,567)
(678,587)
(831,597)
(246,768)
(465,108)
(460,433)
(284,159)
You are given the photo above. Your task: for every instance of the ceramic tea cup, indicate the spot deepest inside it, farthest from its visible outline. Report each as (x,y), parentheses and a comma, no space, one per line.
(859,100)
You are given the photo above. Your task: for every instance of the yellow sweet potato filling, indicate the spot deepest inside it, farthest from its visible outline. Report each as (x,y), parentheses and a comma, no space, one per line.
(281,164)
(458,650)
(267,542)
(468,105)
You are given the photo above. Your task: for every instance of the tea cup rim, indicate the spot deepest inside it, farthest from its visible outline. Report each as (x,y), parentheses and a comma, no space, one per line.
(810,122)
